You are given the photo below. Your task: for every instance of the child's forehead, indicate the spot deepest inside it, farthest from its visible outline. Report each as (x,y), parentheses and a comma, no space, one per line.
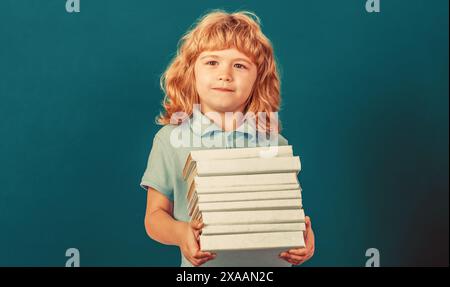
(225,53)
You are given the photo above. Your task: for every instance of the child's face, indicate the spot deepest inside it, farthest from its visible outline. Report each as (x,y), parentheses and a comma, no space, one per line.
(224,80)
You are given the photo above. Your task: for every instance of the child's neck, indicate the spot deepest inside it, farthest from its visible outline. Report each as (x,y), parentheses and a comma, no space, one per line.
(227,121)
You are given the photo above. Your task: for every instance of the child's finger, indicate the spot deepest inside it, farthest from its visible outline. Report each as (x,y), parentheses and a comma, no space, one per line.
(196,224)
(284,258)
(211,257)
(292,261)
(299,252)
(309,238)
(206,259)
(201,254)
(308,221)
(288,257)
(192,260)
(296,257)
(201,262)
(196,262)
(308,233)
(293,256)
(197,234)
(311,251)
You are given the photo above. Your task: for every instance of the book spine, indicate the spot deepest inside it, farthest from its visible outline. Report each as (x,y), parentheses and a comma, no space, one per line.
(244,196)
(253,217)
(251,205)
(252,241)
(252,228)
(238,153)
(244,166)
(226,181)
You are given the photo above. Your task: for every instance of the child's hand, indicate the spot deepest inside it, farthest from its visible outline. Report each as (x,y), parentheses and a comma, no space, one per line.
(300,255)
(190,246)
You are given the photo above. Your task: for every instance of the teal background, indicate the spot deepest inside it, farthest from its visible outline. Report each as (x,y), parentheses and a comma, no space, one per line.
(365,105)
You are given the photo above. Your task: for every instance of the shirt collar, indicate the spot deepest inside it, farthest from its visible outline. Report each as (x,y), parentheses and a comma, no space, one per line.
(202,126)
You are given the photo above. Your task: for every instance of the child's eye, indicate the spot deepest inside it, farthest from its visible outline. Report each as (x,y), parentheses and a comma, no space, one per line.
(212,63)
(240,66)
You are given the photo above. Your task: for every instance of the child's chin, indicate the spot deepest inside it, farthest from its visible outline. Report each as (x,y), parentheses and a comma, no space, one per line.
(225,107)
(226,110)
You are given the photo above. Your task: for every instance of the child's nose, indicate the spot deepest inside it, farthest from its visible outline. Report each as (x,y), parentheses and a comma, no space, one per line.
(225,78)
(225,74)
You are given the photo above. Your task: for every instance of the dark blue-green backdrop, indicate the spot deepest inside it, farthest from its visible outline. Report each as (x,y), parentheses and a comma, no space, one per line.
(365,105)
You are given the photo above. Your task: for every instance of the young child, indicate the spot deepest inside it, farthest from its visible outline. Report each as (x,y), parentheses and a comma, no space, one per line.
(223,74)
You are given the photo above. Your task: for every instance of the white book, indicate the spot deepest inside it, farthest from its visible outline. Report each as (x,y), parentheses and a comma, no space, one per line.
(247,188)
(246,179)
(252,241)
(244,167)
(244,196)
(252,228)
(253,216)
(235,153)
(240,197)
(246,182)
(247,166)
(241,189)
(293,203)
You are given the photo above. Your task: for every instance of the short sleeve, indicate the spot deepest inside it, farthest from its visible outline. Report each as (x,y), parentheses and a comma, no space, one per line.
(159,172)
(282,141)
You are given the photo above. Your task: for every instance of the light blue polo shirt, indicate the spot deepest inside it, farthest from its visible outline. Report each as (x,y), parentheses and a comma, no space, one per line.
(171,147)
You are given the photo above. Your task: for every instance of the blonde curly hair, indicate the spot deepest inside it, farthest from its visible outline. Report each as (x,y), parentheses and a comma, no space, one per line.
(218,30)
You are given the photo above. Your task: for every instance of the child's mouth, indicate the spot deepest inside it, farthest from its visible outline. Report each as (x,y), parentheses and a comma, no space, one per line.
(223,90)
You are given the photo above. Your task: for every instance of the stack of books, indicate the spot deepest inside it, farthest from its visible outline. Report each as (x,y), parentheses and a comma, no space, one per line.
(249,200)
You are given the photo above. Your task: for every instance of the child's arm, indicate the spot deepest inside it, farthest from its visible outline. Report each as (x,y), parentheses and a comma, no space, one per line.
(162,227)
